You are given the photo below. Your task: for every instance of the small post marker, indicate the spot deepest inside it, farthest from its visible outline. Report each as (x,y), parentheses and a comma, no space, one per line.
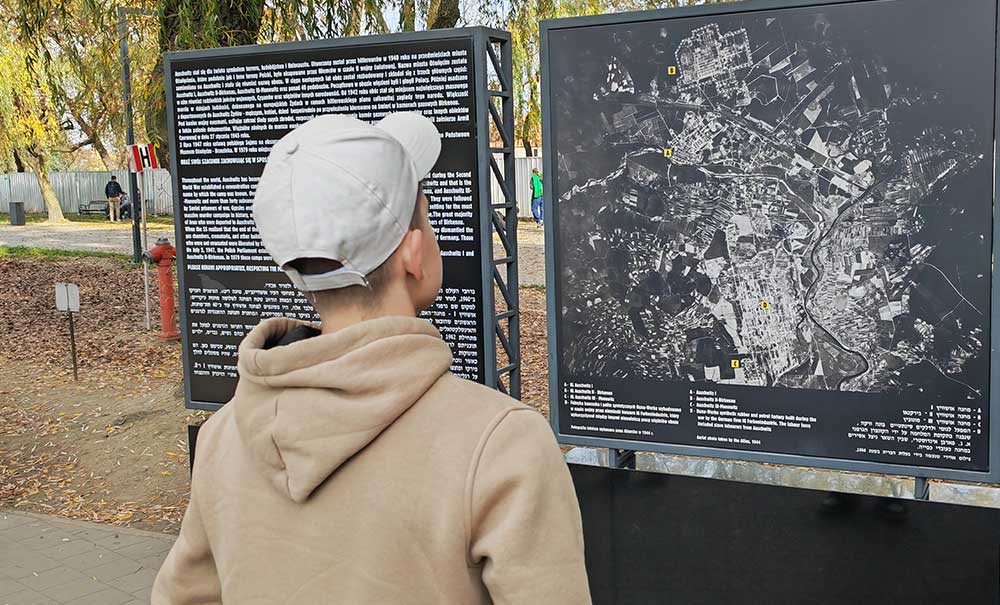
(668,153)
(765,305)
(68,301)
(672,70)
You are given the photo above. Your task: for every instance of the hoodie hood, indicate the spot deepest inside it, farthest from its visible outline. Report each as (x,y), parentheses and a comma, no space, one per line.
(302,409)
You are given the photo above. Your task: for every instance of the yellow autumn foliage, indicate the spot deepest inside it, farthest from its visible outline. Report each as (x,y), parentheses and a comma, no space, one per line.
(28,122)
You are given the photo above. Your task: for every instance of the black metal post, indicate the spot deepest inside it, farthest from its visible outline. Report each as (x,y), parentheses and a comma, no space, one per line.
(133,186)
(72,345)
(510,222)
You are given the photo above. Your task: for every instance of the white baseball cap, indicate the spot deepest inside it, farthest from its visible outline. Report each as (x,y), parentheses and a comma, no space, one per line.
(340,189)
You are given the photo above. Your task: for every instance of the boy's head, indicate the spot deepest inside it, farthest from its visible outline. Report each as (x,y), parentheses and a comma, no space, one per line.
(340,208)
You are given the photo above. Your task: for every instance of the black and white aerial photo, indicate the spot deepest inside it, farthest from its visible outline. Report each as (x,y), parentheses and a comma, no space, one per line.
(797,198)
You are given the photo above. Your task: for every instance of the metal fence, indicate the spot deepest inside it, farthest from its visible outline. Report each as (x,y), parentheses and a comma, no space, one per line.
(74,188)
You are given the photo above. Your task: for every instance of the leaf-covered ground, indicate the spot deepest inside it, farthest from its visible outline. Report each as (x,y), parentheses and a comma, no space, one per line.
(112,447)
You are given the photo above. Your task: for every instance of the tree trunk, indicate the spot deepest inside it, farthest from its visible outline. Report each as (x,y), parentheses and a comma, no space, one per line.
(237,23)
(109,162)
(92,135)
(354,14)
(526,139)
(36,162)
(18,163)
(531,119)
(442,14)
(408,16)
(155,120)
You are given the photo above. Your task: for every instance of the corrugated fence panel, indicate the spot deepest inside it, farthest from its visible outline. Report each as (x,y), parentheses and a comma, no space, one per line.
(21,187)
(522,184)
(158,191)
(74,188)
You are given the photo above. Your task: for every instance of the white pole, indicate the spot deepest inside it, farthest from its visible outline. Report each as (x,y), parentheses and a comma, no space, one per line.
(145,246)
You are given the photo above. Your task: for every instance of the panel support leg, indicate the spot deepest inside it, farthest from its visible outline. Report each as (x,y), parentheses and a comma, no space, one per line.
(624,459)
(921,488)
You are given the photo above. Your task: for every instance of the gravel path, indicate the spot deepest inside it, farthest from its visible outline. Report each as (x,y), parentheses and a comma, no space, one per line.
(116,239)
(531,254)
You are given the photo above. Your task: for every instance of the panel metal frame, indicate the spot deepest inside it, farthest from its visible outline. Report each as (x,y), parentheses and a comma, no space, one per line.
(500,216)
(552,283)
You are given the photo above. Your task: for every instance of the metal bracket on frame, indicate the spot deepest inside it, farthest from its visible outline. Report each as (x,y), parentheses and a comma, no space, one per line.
(621,459)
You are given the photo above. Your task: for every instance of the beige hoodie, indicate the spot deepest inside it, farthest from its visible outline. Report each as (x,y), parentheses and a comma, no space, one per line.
(354,468)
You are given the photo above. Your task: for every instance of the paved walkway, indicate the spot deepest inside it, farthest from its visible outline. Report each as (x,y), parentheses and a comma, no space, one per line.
(75,237)
(54,560)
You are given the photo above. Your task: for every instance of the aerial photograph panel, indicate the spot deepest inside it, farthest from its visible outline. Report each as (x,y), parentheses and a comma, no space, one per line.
(797,199)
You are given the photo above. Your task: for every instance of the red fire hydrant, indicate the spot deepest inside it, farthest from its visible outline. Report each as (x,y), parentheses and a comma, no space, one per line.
(163,254)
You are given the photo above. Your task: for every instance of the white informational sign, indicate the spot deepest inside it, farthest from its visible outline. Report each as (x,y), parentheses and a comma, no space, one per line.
(142,157)
(67,297)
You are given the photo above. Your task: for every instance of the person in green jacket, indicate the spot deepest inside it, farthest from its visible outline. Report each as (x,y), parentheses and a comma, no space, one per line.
(537,207)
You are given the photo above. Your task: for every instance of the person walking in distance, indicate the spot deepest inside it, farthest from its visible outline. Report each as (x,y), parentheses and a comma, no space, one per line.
(351,465)
(113,191)
(537,203)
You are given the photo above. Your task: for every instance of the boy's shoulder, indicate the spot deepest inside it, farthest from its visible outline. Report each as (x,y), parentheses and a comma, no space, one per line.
(455,390)
(459,406)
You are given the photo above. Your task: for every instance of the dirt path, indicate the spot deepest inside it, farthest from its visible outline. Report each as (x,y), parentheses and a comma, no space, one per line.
(118,239)
(112,451)
(112,447)
(531,253)
(102,238)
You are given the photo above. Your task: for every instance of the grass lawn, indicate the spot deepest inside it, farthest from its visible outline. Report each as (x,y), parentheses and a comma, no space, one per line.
(90,219)
(53,254)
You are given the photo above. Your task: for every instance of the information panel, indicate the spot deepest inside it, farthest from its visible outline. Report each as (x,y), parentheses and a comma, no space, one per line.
(771,232)
(227,107)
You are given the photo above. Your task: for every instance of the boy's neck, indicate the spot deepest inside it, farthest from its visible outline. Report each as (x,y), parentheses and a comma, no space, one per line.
(336,319)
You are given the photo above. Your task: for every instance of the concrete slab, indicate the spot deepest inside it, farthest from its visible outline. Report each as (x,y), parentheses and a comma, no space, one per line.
(54,560)
(26,597)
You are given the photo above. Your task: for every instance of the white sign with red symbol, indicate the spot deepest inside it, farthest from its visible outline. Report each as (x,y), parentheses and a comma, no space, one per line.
(142,157)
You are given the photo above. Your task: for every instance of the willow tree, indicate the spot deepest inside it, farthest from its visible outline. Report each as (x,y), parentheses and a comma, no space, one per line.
(193,24)
(30,128)
(71,80)
(85,77)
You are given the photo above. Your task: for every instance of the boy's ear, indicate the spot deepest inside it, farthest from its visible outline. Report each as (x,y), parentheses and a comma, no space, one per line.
(411,254)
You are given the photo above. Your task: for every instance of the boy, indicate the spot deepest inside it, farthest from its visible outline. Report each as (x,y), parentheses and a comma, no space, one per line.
(351,466)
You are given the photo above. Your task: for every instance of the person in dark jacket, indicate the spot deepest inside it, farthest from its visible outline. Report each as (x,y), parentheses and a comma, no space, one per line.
(113,191)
